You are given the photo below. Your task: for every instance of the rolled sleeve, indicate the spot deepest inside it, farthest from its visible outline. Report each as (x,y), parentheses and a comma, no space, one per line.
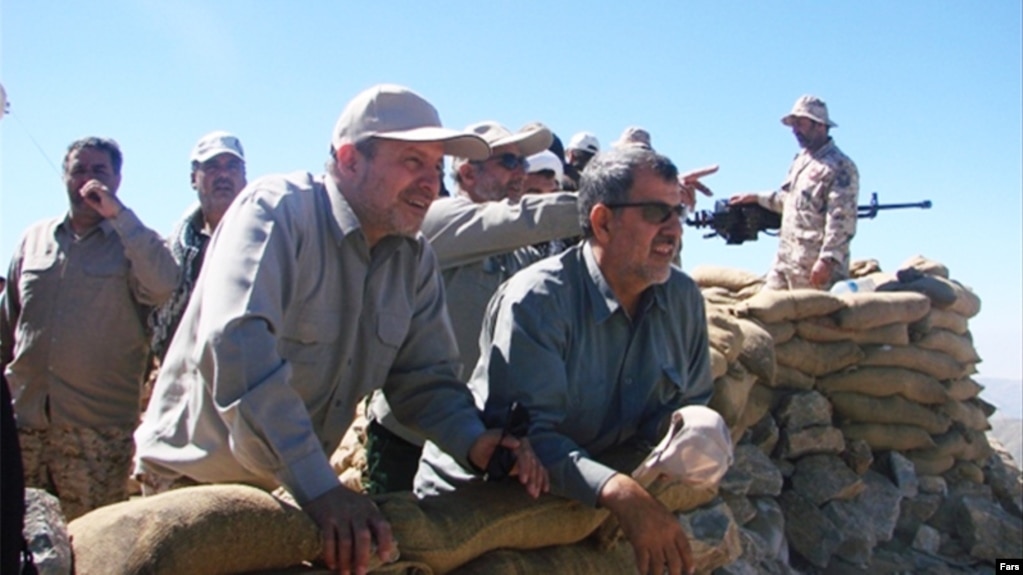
(154,273)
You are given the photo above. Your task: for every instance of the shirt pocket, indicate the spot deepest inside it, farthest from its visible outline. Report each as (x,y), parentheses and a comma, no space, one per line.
(671,387)
(305,340)
(35,269)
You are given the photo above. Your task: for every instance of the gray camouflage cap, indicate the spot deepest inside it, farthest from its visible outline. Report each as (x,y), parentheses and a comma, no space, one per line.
(810,107)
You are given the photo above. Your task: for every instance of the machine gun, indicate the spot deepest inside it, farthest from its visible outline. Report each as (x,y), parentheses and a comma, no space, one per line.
(742,222)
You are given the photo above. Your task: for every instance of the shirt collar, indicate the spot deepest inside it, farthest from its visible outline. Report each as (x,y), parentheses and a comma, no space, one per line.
(65,225)
(605,304)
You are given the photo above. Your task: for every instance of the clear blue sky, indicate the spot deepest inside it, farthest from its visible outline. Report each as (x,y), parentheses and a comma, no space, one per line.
(926,93)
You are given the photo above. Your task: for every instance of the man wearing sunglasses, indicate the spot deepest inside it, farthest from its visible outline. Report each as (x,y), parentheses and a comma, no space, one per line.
(482,235)
(817,202)
(601,345)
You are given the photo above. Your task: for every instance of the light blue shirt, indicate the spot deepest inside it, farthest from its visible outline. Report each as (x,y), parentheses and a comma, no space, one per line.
(557,341)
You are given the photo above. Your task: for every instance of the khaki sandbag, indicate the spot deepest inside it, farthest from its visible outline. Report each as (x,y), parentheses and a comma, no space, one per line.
(825,329)
(934,363)
(719,296)
(963,388)
(960,347)
(781,331)
(860,408)
(773,306)
(968,444)
(724,333)
(818,358)
(950,320)
(927,266)
(966,413)
(761,400)
(874,309)
(731,391)
(882,436)
(861,268)
(978,448)
(749,291)
(729,278)
(718,364)
(585,558)
(207,529)
(967,303)
(757,352)
(786,377)
(967,470)
(886,382)
(928,464)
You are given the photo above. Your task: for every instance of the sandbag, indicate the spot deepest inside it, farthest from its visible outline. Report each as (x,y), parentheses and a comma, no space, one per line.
(967,303)
(731,391)
(825,329)
(882,436)
(757,352)
(927,266)
(729,278)
(724,333)
(934,363)
(874,309)
(861,268)
(817,358)
(585,558)
(761,401)
(886,382)
(950,320)
(718,364)
(206,529)
(966,470)
(928,464)
(781,331)
(966,413)
(962,389)
(969,445)
(719,296)
(959,347)
(786,377)
(773,306)
(860,408)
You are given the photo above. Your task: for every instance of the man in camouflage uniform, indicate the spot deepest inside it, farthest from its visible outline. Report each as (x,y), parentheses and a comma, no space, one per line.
(817,202)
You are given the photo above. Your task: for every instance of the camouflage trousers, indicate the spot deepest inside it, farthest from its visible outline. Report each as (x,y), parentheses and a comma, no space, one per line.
(793,264)
(84,468)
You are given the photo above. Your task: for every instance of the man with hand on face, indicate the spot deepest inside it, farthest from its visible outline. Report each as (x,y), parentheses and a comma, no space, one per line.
(482,235)
(317,290)
(72,334)
(218,174)
(604,346)
(817,203)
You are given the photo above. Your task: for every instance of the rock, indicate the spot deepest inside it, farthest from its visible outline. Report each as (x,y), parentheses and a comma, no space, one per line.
(46,533)
(855,530)
(809,532)
(763,476)
(822,478)
(880,501)
(811,440)
(769,525)
(713,536)
(988,530)
(803,409)
(741,507)
(903,473)
(858,455)
(1006,483)
(948,515)
(933,484)
(914,512)
(927,539)
(764,434)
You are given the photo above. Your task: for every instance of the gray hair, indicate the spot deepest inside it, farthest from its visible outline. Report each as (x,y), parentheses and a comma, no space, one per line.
(608,178)
(107,145)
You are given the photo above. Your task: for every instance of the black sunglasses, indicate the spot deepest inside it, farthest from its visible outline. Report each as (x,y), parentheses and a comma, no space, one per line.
(510,161)
(653,212)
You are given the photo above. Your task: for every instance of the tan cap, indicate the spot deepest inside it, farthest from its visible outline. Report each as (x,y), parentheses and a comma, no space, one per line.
(216,143)
(531,139)
(634,136)
(697,449)
(810,107)
(397,113)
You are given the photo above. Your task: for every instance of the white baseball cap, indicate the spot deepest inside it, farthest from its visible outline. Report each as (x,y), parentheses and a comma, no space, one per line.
(584,141)
(545,160)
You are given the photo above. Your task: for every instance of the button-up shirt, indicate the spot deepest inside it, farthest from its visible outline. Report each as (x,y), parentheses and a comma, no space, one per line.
(294,319)
(558,342)
(72,324)
(478,247)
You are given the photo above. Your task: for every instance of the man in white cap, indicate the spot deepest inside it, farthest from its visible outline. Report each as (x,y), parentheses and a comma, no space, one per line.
(544,171)
(817,202)
(218,174)
(581,149)
(72,332)
(600,346)
(482,235)
(317,290)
